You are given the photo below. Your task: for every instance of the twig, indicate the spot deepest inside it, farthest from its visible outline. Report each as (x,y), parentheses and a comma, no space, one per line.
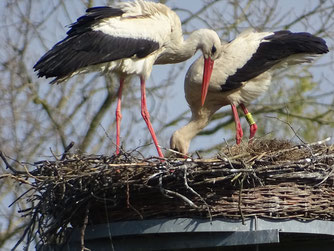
(185,179)
(198,155)
(8,166)
(21,196)
(67,149)
(287,123)
(83,229)
(53,154)
(29,228)
(228,147)
(182,197)
(320,142)
(240,198)
(327,176)
(176,152)
(136,211)
(225,158)
(127,191)
(19,179)
(109,231)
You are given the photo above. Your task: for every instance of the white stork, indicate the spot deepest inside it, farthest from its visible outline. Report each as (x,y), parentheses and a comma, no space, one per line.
(127,40)
(241,74)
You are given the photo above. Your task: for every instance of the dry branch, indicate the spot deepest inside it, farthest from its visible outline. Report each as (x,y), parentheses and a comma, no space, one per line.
(272,179)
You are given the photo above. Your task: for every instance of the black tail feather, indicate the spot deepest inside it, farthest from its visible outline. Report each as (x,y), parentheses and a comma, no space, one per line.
(276,48)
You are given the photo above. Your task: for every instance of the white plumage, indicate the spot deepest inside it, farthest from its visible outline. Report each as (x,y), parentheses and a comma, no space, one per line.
(241,74)
(127,40)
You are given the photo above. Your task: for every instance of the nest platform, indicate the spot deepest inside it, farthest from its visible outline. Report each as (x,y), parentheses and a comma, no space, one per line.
(268,179)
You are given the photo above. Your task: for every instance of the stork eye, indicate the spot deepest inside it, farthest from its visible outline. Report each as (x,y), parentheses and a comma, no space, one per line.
(213,50)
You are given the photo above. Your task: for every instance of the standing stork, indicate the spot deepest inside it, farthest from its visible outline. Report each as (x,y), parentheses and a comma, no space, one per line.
(127,40)
(242,73)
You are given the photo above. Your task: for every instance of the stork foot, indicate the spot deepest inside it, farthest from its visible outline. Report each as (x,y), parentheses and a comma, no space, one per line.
(252,131)
(239,135)
(251,122)
(239,132)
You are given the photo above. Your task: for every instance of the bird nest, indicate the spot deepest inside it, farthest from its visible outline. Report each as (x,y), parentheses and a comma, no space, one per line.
(266,178)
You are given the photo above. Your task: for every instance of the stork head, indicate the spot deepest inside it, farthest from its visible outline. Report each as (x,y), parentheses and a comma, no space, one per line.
(179,143)
(211,48)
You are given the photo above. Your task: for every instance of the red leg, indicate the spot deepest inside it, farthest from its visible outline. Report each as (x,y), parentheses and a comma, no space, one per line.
(146,116)
(250,120)
(119,114)
(238,128)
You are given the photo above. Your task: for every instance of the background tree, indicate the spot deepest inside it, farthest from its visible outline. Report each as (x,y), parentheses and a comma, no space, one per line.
(36,116)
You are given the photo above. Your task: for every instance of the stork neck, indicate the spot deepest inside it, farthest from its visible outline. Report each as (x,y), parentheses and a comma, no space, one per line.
(195,125)
(181,138)
(189,46)
(181,50)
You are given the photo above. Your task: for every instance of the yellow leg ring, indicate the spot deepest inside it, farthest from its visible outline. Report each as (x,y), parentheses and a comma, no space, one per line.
(250,119)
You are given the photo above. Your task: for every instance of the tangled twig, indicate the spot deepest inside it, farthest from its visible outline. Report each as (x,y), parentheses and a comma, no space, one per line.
(274,183)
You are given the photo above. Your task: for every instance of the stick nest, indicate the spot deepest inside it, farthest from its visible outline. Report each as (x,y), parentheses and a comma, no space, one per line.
(267,178)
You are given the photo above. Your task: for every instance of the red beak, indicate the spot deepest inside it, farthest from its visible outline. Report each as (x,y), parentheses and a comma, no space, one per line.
(208,66)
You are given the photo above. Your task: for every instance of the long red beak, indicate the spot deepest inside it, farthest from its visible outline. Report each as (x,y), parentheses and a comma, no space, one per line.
(208,66)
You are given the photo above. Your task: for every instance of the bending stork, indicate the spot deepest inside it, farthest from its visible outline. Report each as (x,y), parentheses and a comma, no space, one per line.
(127,39)
(241,74)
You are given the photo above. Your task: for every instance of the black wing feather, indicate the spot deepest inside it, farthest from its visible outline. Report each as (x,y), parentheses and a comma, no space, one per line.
(90,48)
(84,47)
(276,48)
(93,16)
